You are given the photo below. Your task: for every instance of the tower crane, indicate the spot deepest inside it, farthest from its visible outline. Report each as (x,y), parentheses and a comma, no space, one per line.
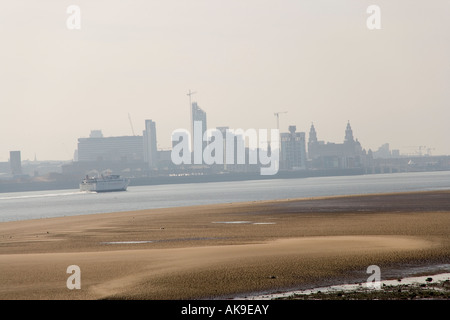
(131,124)
(190,93)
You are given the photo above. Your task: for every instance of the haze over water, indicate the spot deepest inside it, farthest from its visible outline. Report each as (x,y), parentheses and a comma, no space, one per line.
(58,203)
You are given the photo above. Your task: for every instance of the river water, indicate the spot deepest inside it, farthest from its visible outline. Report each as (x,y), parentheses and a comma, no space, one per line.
(58,203)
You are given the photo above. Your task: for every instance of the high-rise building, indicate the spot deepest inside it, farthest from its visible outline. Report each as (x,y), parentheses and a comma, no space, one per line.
(223,131)
(293,149)
(15,162)
(150,144)
(198,115)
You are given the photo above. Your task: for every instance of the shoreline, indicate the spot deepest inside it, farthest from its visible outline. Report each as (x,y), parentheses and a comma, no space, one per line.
(412,286)
(225,250)
(399,275)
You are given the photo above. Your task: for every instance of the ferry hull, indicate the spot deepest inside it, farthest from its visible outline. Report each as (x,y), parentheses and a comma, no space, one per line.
(105,186)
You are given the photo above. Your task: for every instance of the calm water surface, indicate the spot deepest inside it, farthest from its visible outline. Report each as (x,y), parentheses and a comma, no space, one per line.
(45,204)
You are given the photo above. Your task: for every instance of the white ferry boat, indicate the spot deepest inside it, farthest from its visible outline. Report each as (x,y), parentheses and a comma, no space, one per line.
(104,183)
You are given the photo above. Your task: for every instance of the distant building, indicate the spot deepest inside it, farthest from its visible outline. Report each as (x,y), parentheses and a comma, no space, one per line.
(5,168)
(124,148)
(395,153)
(237,154)
(150,144)
(198,115)
(96,134)
(164,158)
(335,155)
(15,162)
(223,131)
(384,152)
(293,149)
(237,157)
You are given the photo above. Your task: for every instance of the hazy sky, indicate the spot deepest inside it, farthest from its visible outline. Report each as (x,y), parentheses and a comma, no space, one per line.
(246,59)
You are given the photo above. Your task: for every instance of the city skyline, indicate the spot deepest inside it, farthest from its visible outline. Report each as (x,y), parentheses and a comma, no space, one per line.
(98,133)
(245,61)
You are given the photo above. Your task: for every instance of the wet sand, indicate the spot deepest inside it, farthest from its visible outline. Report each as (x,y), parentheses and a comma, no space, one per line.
(225,250)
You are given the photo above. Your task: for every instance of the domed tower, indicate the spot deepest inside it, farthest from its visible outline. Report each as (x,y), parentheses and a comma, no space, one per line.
(312,134)
(348,134)
(312,142)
